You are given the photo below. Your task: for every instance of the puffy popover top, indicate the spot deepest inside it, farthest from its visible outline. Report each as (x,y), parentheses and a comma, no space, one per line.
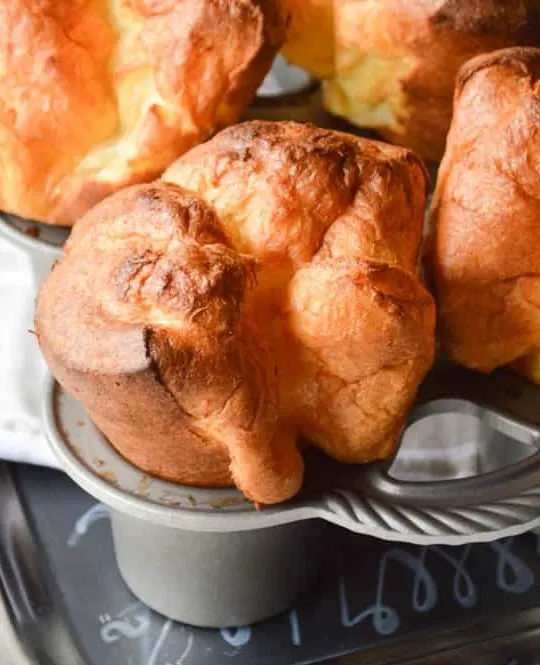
(396,60)
(99,94)
(485,249)
(265,289)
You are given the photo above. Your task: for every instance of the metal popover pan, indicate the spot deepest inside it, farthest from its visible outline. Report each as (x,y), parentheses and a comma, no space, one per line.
(33,236)
(209,558)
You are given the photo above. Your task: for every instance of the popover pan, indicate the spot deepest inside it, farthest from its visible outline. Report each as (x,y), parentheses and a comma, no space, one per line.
(33,236)
(208,558)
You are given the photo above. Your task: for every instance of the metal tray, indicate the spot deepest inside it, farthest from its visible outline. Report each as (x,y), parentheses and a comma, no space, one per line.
(67,605)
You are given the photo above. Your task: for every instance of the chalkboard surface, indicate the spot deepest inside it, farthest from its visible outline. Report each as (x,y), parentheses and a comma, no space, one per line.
(371,592)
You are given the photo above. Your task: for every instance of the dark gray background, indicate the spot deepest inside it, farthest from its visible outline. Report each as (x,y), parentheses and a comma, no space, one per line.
(371,592)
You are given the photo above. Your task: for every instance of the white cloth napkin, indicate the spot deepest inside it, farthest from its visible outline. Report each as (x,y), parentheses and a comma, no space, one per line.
(22,367)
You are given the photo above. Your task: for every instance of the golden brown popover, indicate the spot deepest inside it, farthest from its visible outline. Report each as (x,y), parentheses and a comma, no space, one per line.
(396,60)
(264,290)
(99,94)
(484,252)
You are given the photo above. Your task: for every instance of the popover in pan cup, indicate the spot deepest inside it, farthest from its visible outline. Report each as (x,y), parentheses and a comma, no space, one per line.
(396,60)
(263,292)
(96,96)
(484,249)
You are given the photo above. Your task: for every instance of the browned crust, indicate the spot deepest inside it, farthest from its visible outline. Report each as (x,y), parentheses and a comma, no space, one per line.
(524,61)
(439,38)
(265,289)
(485,250)
(108,94)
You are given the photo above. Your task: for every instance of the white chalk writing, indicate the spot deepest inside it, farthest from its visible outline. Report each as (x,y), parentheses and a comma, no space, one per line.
(96,513)
(130,627)
(513,574)
(296,637)
(236,637)
(159,643)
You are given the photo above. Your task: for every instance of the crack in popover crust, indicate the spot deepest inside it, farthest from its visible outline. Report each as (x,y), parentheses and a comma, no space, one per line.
(264,291)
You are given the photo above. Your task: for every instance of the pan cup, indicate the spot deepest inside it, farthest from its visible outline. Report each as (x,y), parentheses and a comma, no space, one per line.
(199,556)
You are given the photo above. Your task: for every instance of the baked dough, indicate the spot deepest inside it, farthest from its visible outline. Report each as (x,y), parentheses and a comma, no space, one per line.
(264,291)
(99,94)
(484,254)
(396,60)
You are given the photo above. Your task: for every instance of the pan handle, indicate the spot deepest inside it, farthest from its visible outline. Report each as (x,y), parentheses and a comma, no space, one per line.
(497,485)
